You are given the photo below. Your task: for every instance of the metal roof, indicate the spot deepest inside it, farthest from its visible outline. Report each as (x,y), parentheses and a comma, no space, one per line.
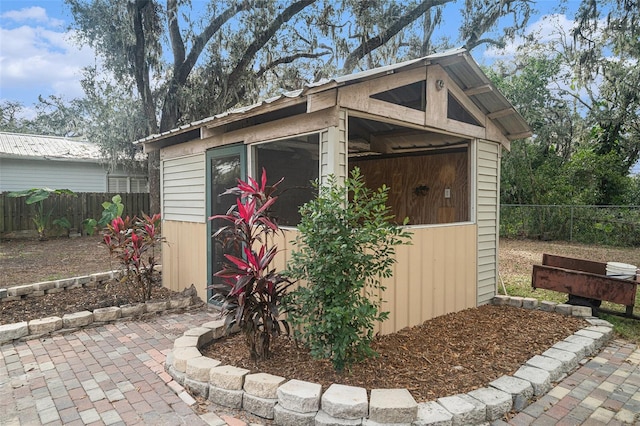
(458,64)
(18,145)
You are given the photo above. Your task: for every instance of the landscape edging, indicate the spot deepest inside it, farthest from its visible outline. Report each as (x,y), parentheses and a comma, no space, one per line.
(40,327)
(186,364)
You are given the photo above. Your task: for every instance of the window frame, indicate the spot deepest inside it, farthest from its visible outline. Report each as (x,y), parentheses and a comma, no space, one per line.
(252,158)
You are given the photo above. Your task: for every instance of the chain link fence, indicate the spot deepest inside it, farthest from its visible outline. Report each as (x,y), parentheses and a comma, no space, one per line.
(603,225)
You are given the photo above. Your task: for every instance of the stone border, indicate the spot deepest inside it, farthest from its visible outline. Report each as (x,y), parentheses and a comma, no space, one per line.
(37,328)
(294,402)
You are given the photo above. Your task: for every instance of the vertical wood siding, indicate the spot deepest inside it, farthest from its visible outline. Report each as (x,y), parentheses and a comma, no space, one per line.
(183,189)
(184,256)
(487,211)
(435,171)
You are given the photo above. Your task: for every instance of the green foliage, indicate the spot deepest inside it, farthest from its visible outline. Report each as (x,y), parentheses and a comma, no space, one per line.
(252,291)
(64,223)
(112,210)
(343,250)
(89,225)
(602,225)
(133,242)
(37,196)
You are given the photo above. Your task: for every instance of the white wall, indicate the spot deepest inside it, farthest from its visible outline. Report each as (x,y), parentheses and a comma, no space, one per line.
(18,174)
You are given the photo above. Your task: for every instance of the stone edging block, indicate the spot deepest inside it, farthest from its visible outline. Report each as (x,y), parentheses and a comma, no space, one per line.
(45,325)
(295,402)
(71,321)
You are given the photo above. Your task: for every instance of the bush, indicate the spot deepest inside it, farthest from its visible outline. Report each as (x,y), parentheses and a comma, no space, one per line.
(343,251)
(252,291)
(133,243)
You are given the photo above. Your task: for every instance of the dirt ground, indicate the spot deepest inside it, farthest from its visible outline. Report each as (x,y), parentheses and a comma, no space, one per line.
(26,261)
(446,355)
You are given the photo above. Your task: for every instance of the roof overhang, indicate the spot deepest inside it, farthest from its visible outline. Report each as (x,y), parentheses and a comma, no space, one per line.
(457,63)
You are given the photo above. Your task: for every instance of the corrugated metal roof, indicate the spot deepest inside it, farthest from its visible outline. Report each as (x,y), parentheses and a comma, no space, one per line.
(47,147)
(458,64)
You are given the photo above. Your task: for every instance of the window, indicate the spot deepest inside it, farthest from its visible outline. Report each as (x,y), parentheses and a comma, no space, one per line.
(297,160)
(139,184)
(411,96)
(117,184)
(457,112)
(124,184)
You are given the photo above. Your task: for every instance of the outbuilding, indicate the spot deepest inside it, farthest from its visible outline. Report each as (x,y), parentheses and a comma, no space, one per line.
(42,161)
(432,129)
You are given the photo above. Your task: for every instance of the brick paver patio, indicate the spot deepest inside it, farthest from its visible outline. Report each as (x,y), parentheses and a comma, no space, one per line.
(114,375)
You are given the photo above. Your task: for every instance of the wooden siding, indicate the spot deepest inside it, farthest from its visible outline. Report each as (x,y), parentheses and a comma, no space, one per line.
(487,211)
(403,175)
(17,175)
(183,188)
(433,276)
(184,256)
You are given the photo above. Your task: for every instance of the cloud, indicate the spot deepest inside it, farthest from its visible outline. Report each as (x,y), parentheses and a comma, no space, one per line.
(549,29)
(39,60)
(32,14)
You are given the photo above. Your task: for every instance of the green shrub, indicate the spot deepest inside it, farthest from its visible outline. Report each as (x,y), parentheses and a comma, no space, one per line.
(133,242)
(342,252)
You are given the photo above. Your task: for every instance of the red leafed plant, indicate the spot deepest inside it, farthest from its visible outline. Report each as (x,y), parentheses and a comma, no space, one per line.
(133,243)
(252,291)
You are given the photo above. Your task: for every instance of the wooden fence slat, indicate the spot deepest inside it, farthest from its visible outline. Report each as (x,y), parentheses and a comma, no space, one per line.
(16,215)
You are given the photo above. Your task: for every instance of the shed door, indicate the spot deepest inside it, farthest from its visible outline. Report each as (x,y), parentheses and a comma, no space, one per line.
(224,167)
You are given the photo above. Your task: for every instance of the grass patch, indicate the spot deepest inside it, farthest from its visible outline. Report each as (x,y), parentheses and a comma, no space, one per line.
(626,328)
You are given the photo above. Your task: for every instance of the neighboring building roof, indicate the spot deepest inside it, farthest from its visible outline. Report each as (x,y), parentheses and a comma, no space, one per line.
(458,64)
(18,145)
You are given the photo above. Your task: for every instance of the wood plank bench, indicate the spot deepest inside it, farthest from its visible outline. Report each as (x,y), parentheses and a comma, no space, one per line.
(583,278)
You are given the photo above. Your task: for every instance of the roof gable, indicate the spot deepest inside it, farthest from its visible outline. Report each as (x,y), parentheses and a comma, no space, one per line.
(458,67)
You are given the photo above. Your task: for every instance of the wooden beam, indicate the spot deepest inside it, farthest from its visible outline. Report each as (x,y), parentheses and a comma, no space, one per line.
(478,90)
(514,136)
(501,113)
(322,100)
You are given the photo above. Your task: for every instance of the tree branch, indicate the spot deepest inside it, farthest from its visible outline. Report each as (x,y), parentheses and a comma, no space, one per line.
(263,38)
(177,44)
(288,60)
(376,41)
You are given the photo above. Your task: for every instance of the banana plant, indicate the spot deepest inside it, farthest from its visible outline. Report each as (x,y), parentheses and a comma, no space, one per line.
(37,196)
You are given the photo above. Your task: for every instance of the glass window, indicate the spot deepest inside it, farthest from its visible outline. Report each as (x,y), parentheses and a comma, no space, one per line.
(297,160)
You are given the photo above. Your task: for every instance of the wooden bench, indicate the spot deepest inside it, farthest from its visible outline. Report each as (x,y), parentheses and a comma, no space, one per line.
(583,278)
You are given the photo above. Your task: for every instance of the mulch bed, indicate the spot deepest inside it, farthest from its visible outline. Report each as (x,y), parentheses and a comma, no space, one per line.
(451,354)
(112,293)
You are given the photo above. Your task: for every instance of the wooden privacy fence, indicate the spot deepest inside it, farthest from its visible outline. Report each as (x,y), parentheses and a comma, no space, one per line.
(16,215)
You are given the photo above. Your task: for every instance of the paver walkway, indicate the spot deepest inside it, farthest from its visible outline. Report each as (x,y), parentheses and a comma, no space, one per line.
(114,375)
(604,391)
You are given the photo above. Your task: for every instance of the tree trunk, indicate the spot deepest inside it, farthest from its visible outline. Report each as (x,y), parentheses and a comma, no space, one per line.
(153,163)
